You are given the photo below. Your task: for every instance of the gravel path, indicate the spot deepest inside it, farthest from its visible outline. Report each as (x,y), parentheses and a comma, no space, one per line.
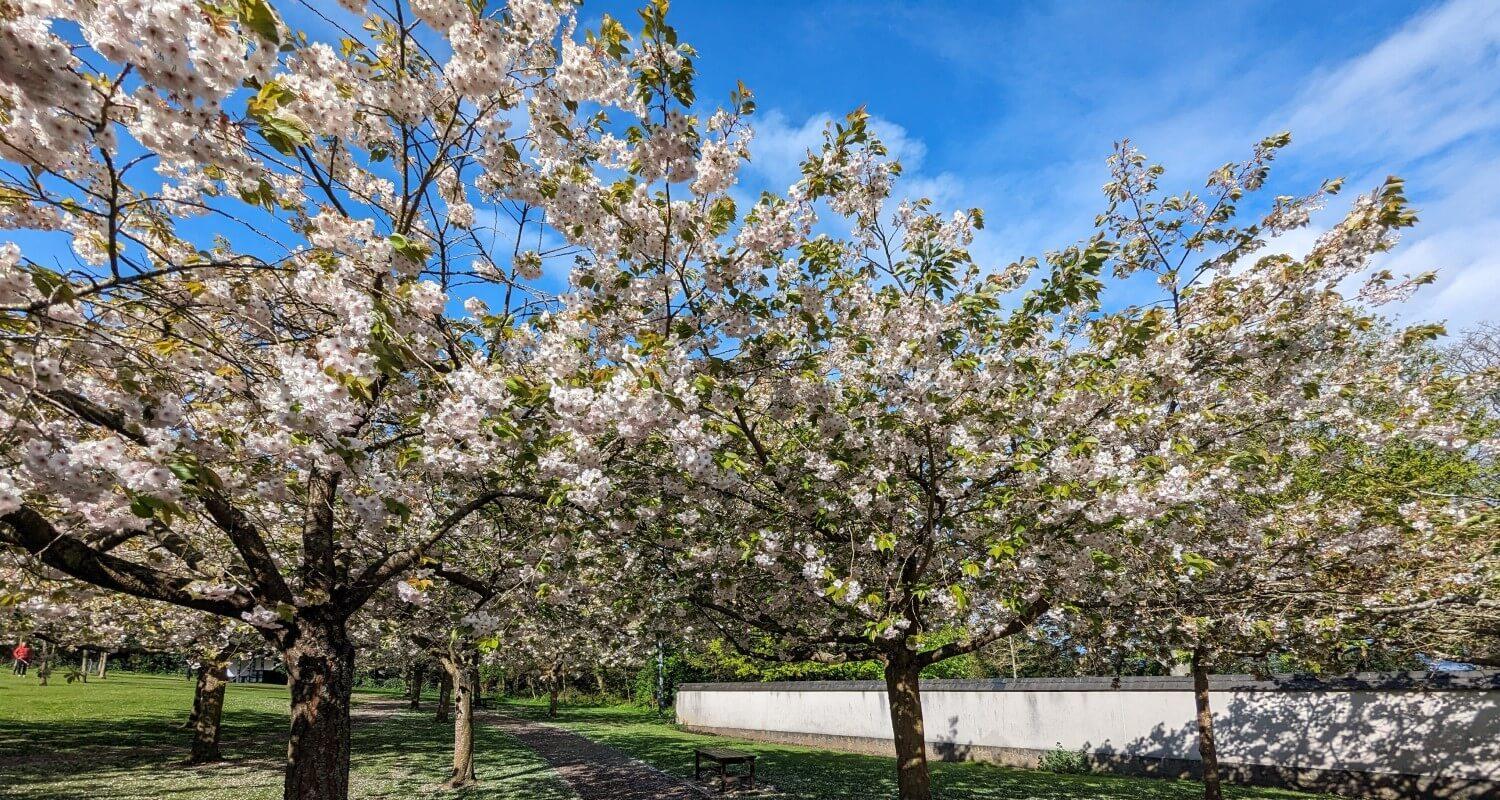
(595,771)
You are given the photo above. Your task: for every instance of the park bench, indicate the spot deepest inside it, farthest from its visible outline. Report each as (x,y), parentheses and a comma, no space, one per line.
(723,757)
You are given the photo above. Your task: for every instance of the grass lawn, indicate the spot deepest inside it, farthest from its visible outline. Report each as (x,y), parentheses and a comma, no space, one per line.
(121,739)
(808,774)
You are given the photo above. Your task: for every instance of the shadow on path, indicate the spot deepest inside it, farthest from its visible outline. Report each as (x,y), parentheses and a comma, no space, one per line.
(595,771)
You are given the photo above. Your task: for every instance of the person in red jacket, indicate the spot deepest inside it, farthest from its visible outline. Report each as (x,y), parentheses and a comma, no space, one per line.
(22,655)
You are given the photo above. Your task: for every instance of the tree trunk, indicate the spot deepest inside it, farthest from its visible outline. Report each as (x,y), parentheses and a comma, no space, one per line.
(903,689)
(553,687)
(445,696)
(43,665)
(465,680)
(320,667)
(84,671)
(661,679)
(415,679)
(1208,751)
(103,664)
(208,710)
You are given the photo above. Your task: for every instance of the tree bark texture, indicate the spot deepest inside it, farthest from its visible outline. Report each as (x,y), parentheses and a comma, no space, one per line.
(320,667)
(465,681)
(1208,750)
(208,710)
(903,689)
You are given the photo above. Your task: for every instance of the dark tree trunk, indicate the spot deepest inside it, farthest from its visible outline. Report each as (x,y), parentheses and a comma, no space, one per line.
(208,711)
(465,681)
(903,689)
(1208,751)
(445,696)
(320,667)
(416,677)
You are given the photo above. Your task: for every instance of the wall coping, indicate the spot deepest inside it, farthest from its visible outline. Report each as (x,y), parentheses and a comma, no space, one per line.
(1470,680)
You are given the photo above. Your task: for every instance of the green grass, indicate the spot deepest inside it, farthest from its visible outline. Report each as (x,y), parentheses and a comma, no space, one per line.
(809,774)
(121,739)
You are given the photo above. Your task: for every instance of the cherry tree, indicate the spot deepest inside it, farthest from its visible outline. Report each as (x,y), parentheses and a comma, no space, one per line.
(570,628)
(55,608)
(60,615)
(253,365)
(870,447)
(861,442)
(1287,571)
(1309,507)
(448,609)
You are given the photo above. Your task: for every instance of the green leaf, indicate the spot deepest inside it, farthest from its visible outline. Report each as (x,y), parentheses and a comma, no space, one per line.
(408,456)
(1198,562)
(285,133)
(258,16)
(398,508)
(51,284)
(412,249)
(263,195)
(959,596)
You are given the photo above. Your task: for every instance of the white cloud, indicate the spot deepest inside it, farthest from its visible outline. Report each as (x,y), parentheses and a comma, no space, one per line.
(1425,104)
(1434,82)
(780,145)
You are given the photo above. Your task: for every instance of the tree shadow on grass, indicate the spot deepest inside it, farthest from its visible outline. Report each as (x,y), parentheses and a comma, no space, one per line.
(399,755)
(81,759)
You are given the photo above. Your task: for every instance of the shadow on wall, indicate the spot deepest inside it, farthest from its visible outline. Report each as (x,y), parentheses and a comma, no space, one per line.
(1443,744)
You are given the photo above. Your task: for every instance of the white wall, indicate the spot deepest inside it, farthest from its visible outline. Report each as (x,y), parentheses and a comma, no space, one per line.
(1449,733)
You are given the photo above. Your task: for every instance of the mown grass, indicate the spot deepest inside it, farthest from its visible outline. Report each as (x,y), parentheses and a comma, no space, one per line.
(805,773)
(122,739)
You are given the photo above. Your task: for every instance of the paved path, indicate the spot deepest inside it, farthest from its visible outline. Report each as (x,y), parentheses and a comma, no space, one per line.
(595,771)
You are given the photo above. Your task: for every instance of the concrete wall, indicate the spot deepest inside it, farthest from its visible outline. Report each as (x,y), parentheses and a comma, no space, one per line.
(1390,735)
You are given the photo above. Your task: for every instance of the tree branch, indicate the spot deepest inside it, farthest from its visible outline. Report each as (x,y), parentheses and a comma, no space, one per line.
(35,534)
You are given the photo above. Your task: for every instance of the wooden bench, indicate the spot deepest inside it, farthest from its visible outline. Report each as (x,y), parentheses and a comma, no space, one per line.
(723,757)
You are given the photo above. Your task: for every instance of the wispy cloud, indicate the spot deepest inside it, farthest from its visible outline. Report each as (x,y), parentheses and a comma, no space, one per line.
(1422,101)
(1431,84)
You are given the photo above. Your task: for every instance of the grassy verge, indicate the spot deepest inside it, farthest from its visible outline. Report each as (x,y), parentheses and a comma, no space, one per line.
(121,739)
(809,774)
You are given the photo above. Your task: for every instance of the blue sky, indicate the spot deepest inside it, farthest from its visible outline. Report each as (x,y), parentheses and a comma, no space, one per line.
(1013,107)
